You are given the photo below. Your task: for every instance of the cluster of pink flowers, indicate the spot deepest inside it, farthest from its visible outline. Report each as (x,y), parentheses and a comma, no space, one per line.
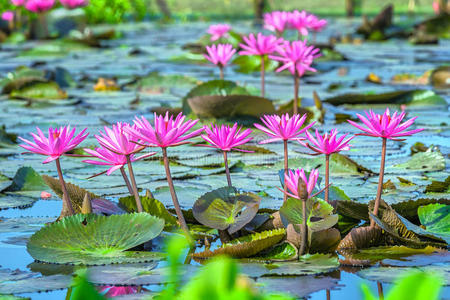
(41,6)
(302,21)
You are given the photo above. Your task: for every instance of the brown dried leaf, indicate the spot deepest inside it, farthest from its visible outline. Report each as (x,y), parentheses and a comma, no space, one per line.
(361,237)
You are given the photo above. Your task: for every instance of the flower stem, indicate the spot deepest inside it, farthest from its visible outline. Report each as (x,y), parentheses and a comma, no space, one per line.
(227,170)
(67,209)
(263,88)
(43,23)
(222,76)
(296,89)
(380,290)
(127,182)
(286,168)
(133,183)
(327,177)
(380,182)
(328,295)
(173,193)
(304,229)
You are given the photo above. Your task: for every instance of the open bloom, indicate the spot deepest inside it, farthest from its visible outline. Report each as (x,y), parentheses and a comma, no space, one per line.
(118,140)
(58,142)
(300,21)
(8,16)
(317,24)
(218,30)
(283,128)
(226,138)
(18,2)
(296,57)
(71,4)
(219,54)
(166,132)
(291,180)
(259,45)
(114,291)
(39,6)
(386,125)
(328,143)
(276,21)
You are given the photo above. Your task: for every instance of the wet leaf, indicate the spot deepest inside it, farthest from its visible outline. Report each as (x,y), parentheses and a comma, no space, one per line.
(94,240)
(425,161)
(37,89)
(226,209)
(155,80)
(13,201)
(353,209)
(414,97)
(436,219)
(23,224)
(439,186)
(284,251)
(325,241)
(246,246)
(27,181)
(252,63)
(151,206)
(360,238)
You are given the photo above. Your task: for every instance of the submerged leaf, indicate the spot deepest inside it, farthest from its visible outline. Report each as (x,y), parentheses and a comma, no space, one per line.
(226,209)
(93,239)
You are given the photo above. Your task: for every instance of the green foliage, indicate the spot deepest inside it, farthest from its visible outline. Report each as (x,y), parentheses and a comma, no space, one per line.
(83,290)
(114,11)
(416,285)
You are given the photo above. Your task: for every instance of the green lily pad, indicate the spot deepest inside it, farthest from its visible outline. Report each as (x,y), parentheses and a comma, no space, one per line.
(60,47)
(7,139)
(246,246)
(252,63)
(226,209)
(13,201)
(151,206)
(415,97)
(439,231)
(28,182)
(156,80)
(19,73)
(391,274)
(37,89)
(390,253)
(19,282)
(284,251)
(93,239)
(425,161)
(315,208)
(23,224)
(436,219)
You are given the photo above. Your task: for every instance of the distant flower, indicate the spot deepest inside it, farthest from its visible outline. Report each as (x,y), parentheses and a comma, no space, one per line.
(166,131)
(296,57)
(328,143)
(260,45)
(436,7)
(8,16)
(39,6)
(226,138)
(291,180)
(18,2)
(283,128)
(300,21)
(114,291)
(71,4)
(58,142)
(276,21)
(219,54)
(218,31)
(45,195)
(317,24)
(386,125)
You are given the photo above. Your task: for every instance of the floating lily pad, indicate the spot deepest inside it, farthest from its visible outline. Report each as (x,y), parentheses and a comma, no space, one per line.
(246,246)
(284,251)
(93,239)
(391,274)
(151,206)
(7,139)
(27,182)
(360,238)
(394,253)
(226,208)
(38,89)
(19,282)
(436,219)
(438,231)
(439,186)
(252,63)
(414,97)
(14,201)
(425,161)
(316,208)
(23,224)
(155,80)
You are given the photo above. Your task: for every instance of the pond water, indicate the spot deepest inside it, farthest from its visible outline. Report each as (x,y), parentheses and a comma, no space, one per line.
(159,47)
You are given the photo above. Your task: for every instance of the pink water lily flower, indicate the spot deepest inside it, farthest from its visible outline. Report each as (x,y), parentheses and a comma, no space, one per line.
(39,6)
(283,128)
(8,16)
(296,57)
(328,143)
(385,125)
(58,142)
(260,44)
(220,55)
(276,21)
(226,138)
(18,2)
(300,21)
(114,291)
(72,4)
(218,31)
(119,140)
(317,24)
(291,181)
(166,131)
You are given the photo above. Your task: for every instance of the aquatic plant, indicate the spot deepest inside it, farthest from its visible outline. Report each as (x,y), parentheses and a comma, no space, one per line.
(327,144)
(284,128)
(276,21)
(217,31)
(297,58)
(56,144)
(220,55)
(8,16)
(118,149)
(300,21)
(39,6)
(18,2)
(261,45)
(386,126)
(72,4)
(166,132)
(226,138)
